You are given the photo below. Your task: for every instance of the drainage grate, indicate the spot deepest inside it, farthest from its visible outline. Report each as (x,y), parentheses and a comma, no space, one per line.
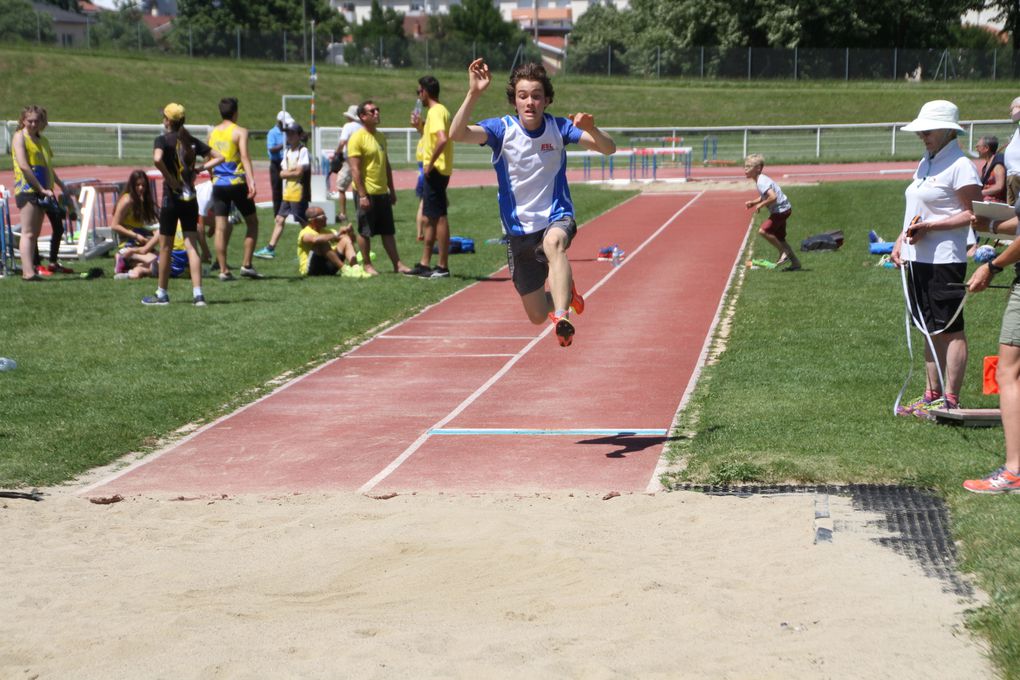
(916,521)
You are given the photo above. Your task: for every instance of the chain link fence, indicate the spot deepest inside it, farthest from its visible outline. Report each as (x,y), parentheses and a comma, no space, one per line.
(119,32)
(755,63)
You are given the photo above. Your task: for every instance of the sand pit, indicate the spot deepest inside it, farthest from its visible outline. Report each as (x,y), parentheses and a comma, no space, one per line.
(677,585)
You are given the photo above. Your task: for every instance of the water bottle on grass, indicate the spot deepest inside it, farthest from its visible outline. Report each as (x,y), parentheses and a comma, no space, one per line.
(7,364)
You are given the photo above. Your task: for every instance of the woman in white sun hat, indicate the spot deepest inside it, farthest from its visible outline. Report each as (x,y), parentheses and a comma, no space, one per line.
(932,250)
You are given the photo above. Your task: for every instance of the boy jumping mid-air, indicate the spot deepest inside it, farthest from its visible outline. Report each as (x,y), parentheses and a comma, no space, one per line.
(529,156)
(772,197)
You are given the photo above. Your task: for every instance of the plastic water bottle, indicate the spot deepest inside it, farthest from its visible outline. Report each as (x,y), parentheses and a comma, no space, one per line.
(7,364)
(617,256)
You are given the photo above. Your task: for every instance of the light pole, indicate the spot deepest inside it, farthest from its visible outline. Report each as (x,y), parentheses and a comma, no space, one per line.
(312,78)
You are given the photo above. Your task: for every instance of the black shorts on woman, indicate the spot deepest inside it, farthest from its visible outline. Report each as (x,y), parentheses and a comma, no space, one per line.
(174,210)
(934,290)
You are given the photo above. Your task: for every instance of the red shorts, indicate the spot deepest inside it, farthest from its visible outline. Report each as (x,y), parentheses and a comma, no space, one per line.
(776,224)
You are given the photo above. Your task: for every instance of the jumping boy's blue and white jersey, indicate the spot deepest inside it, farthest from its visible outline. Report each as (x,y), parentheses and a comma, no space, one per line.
(531,168)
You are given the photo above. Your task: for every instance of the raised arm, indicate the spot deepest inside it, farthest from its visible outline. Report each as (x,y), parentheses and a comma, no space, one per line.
(593,138)
(479,79)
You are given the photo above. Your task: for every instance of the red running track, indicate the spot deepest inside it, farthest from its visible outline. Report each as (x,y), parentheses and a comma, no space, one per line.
(474,362)
(405,179)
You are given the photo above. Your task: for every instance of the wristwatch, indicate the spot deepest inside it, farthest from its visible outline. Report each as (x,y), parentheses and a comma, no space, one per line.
(993,268)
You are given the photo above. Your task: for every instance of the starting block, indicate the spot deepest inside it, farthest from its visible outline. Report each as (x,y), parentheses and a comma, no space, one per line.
(968,417)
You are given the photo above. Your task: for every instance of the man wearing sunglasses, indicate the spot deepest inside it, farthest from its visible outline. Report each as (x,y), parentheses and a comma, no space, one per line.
(373,182)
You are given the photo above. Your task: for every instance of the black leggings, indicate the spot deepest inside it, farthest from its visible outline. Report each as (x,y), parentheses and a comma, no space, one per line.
(55,239)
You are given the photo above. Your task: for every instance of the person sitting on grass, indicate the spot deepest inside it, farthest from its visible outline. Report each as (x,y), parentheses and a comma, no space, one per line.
(326,252)
(773,229)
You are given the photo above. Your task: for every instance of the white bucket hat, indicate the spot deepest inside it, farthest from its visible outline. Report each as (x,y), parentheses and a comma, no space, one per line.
(352,113)
(935,115)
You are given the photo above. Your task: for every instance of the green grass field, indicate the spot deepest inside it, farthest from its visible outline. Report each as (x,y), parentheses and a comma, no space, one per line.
(804,391)
(132,88)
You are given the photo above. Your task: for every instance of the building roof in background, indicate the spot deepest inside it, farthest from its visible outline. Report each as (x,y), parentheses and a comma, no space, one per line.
(59,15)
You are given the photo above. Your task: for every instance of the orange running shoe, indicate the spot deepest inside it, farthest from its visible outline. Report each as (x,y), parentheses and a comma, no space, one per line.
(564,329)
(1000,481)
(576,301)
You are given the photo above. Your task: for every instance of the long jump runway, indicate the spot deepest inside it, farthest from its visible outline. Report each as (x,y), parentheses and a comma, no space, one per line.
(470,396)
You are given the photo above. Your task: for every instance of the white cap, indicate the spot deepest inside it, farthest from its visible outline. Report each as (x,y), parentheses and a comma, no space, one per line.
(935,115)
(352,113)
(282,117)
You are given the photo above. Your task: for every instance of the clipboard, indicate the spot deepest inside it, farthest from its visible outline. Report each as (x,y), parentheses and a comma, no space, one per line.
(993,211)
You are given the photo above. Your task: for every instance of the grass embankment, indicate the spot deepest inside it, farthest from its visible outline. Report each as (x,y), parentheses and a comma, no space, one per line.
(100,375)
(805,387)
(132,88)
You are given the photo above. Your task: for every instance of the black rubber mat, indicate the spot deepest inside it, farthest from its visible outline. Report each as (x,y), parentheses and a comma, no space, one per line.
(916,519)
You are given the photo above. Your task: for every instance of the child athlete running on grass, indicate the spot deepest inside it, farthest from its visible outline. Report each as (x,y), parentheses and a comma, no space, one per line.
(530,160)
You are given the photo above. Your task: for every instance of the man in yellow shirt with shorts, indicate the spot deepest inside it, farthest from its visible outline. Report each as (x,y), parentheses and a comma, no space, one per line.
(373,182)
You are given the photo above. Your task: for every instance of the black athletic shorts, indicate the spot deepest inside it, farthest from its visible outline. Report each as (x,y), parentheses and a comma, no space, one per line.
(378,219)
(320,265)
(529,267)
(433,200)
(932,301)
(174,210)
(223,197)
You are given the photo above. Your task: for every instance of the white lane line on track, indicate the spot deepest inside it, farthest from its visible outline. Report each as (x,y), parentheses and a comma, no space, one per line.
(654,484)
(425,355)
(424,436)
(456,337)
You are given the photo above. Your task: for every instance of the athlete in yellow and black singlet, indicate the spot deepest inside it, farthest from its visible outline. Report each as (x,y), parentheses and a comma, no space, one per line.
(233,186)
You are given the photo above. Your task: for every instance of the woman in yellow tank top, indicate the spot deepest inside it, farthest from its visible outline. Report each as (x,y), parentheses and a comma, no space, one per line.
(133,219)
(34,179)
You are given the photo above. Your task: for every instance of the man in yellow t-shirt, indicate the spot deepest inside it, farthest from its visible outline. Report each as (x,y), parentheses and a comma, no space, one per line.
(325,252)
(373,182)
(437,166)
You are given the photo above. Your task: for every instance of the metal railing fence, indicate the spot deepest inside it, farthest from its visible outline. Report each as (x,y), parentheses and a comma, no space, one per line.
(97,143)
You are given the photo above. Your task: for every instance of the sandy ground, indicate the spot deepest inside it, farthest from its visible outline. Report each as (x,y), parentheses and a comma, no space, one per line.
(676,585)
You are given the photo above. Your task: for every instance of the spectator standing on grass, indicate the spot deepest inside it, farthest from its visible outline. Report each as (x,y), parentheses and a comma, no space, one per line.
(1011,155)
(56,211)
(437,166)
(993,171)
(296,164)
(175,154)
(770,196)
(530,160)
(325,252)
(34,179)
(276,141)
(233,183)
(343,178)
(933,249)
(372,177)
(1006,479)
